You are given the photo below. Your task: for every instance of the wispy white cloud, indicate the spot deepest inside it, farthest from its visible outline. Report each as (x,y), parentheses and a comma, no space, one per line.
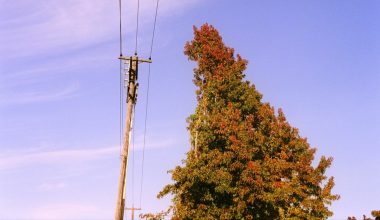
(13,160)
(33,31)
(49,186)
(61,211)
(38,96)
(39,40)
(53,26)
(9,161)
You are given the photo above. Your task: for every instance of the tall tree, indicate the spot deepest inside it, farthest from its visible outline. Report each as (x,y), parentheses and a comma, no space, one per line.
(246,161)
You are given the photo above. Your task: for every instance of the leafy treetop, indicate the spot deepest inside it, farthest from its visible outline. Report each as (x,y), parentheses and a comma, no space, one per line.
(246,160)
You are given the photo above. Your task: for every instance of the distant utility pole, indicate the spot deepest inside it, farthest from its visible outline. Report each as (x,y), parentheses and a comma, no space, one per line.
(131,101)
(133,212)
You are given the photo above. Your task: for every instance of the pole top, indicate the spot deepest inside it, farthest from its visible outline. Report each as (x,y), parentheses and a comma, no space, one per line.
(135,58)
(132,208)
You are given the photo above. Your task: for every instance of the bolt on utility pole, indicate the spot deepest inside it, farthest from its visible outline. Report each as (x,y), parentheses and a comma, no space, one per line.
(131,101)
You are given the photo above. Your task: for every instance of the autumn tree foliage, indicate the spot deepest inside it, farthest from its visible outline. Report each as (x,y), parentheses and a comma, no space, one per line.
(354,218)
(375,214)
(246,160)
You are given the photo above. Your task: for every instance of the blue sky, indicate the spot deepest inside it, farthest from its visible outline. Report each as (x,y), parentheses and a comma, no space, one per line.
(59,95)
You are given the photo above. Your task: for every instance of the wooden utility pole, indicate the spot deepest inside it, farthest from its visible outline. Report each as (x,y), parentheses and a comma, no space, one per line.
(131,101)
(133,212)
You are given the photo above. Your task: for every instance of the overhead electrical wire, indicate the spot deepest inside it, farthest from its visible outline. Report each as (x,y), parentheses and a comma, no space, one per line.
(120,34)
(144,137)
(154,30)
(147,101)
(133,156)
(137,24)
(121,105)
(120,81)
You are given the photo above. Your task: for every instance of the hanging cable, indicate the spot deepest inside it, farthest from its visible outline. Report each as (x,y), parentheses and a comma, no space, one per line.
(121,105)
(137,24)
(144,137)
(120,36)
(147,103)
(133,157)
(154,30)
(120,82)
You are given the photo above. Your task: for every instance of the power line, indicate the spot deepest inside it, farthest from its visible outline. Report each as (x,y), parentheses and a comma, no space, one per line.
(120,36)
(147,102)
(144,137)
(137,24)
(120,81)
(121,105)
(154,30)
(133,155)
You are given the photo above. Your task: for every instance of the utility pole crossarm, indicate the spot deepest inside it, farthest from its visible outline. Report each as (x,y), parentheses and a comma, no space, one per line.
(134,58)
(133,211)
